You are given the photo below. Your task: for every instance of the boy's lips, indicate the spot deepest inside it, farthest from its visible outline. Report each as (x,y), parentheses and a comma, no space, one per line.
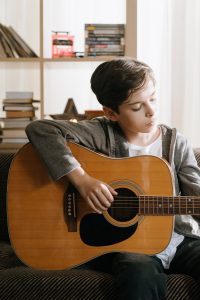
(151,123)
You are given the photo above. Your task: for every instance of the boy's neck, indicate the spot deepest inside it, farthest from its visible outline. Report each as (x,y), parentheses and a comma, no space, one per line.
(144,139)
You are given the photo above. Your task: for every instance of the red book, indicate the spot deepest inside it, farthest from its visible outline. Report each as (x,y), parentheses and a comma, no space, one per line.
(62,44)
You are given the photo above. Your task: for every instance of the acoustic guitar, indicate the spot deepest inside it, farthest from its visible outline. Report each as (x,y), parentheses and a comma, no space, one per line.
(51,227)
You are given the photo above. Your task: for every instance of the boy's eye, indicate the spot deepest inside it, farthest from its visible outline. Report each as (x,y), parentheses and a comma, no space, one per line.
(153,99)
(137,107)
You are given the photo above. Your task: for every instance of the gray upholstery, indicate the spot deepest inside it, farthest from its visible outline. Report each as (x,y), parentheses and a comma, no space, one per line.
(20,282)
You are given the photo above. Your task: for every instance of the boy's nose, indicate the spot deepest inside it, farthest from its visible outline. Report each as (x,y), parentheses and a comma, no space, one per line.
(150,111)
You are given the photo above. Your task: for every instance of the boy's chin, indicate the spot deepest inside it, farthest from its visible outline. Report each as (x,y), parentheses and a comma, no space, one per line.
(151,128)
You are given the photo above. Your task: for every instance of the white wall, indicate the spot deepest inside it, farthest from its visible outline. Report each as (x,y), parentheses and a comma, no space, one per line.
(169,40)
(72,80)
(23,16)
(152,30)
(69,80)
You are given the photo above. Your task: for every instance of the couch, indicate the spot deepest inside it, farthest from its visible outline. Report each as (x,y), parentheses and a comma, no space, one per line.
(18,281)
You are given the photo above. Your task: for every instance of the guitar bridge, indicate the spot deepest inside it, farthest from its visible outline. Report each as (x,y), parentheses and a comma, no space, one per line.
(70,208)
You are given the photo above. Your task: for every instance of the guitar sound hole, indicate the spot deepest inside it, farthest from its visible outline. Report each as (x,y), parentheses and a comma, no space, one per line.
(125,206)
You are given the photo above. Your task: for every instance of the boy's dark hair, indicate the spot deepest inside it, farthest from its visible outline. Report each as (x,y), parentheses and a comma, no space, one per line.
(113,81)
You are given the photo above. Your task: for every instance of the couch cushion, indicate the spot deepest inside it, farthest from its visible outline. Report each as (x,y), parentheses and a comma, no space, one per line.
(20,282)
(182,287)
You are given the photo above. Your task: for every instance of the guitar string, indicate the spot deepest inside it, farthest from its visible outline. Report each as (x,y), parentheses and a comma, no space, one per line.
(165,206)
(136,206)
(146,203)
(149,204)
(154,198)
(158,196)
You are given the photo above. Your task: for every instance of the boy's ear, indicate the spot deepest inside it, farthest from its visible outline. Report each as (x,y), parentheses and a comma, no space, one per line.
(110,114)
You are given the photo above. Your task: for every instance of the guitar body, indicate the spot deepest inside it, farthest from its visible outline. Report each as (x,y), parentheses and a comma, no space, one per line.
(51,227)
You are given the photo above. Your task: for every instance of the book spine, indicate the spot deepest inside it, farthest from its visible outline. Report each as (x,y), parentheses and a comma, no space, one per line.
(19,95)
(104,39)
(20,114)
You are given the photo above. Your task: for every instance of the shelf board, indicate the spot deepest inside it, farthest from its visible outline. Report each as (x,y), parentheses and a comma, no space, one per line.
(78,59)
(59,59)
(20,59)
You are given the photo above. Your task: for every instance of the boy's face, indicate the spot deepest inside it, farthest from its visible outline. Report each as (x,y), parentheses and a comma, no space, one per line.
(138,114)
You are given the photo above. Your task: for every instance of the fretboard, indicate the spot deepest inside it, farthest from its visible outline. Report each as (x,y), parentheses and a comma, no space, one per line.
(157,205)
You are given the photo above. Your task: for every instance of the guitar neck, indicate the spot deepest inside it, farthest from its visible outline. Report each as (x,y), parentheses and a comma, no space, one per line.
(180,205)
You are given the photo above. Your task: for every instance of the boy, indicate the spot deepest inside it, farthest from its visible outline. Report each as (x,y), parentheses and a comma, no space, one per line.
(126,90)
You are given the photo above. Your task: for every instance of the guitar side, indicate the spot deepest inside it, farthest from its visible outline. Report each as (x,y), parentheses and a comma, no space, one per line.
(42,231)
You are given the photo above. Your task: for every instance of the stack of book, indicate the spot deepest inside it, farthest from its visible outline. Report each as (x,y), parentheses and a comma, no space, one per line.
(12,45)
(20,111)
(104,39)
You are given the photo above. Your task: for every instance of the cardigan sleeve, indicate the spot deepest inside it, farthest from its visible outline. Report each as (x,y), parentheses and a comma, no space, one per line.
(49,138)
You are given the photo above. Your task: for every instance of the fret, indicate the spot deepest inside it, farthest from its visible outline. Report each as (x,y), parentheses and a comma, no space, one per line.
(176,205)
(186,206)
(154,207)
(171,206)
(193,205)
(165,205)
(190,206)
(150,205)
(141,205)
(183,207)
(157,206)
(168,204)
(160,207)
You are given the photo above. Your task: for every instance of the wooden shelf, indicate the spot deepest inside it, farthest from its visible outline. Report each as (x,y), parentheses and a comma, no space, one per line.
(130,47)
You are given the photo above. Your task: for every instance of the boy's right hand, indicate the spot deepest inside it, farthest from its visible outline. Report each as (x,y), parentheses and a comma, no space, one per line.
(96,193)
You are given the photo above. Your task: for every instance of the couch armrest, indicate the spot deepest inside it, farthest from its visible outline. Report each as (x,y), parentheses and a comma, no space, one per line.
(5,161)
(197,155)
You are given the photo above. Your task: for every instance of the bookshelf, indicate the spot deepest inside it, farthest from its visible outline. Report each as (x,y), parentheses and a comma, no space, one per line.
(37,71)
